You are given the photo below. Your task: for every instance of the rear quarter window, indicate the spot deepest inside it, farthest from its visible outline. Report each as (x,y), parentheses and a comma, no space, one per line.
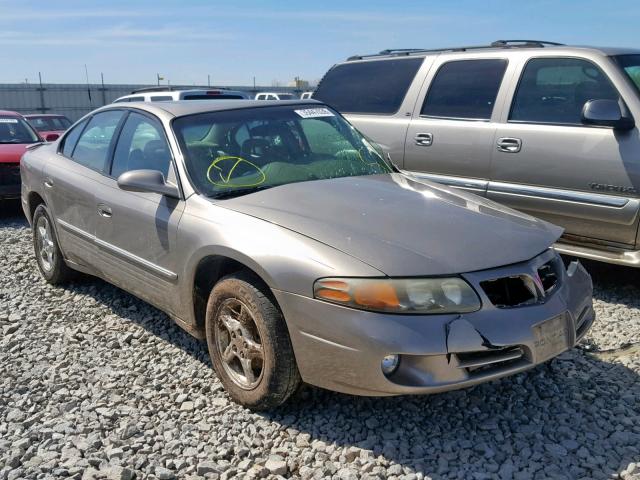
(373,87)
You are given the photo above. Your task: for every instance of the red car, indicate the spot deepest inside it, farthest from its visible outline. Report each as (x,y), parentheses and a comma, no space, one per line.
(49,126)
(15,136)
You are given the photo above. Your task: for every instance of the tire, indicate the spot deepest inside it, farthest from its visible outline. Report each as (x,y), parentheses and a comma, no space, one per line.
(249,343)
(45,244)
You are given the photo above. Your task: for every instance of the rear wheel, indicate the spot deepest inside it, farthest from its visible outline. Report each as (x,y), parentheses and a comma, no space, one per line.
(45,244)
(249,343)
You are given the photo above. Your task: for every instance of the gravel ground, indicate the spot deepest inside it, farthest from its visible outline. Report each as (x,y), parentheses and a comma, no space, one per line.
(96,384)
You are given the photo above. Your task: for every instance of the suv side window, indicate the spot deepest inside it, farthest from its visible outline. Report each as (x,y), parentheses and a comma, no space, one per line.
(375,87)
(71,138)
(465,89)
(93,146)
(554,90)
(141,146)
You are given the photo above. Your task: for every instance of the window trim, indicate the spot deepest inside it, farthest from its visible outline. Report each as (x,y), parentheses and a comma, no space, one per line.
(557,124)
(464,119)
(404,97)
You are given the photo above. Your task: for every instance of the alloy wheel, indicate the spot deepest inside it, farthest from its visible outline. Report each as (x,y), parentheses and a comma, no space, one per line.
(45,246)
(239,343)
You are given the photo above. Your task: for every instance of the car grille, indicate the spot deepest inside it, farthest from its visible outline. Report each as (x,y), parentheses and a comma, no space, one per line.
(9,174)
(520,290)
(487,361)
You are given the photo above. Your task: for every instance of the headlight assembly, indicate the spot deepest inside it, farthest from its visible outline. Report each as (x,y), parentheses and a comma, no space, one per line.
(410,295)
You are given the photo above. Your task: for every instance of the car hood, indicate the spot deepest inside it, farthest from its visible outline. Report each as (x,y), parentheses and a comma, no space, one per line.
(12,152)
(400,225)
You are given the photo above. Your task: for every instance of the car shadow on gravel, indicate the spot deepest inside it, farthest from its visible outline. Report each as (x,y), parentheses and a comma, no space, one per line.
(570,418)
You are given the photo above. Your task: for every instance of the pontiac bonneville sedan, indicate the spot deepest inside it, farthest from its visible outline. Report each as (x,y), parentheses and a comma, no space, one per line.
(278,233)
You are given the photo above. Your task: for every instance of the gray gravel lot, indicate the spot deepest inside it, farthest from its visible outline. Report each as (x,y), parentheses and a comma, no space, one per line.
(96,384)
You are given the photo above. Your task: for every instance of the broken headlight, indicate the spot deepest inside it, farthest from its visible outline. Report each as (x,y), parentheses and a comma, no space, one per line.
(411,295)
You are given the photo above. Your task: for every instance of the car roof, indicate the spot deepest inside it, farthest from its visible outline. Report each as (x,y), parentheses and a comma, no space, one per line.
(48,115)
(561,49)
(189,107)
(9,112)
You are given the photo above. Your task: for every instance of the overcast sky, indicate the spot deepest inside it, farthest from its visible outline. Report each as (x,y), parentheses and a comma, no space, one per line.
(131,41)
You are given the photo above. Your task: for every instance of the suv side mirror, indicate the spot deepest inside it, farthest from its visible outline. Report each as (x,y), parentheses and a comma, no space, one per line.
(51,137)
(606,113)
(147,181)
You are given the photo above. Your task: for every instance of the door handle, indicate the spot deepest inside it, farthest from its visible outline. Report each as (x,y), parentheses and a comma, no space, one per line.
(509,145)
(104,210)
(424,139)
(48,183)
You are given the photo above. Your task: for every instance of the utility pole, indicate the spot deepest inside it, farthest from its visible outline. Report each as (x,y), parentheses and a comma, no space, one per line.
(208,80)
(86,74)
(43,109)
(104,90)
(159,77)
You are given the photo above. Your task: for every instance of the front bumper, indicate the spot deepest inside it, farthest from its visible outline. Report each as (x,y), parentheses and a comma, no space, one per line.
(341,348)
(9,180)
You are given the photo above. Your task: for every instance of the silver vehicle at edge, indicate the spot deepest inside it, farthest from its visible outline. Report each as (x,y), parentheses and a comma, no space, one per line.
(281,235)
(545,128)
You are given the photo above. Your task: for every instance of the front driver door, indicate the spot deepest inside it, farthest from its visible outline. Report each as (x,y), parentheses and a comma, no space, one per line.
(547,163)
(136,232)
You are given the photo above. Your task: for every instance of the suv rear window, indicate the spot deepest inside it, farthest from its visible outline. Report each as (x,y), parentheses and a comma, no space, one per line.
(368,87)
(465,89)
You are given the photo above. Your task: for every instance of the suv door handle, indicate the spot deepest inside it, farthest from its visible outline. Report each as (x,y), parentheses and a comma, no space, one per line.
(424,139)
(104,211)
(509,145)
(48,183)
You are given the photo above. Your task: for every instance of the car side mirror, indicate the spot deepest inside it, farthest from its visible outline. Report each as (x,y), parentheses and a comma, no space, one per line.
(51,137)
(606,113)
(147,181)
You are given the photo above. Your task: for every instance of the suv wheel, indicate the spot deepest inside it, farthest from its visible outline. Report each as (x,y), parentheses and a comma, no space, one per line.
(249,343)
(48,254)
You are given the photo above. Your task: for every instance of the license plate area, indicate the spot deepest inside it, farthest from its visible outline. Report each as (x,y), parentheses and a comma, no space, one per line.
(551,338)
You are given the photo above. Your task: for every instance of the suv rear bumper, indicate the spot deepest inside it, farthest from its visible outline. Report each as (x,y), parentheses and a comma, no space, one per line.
(341,349)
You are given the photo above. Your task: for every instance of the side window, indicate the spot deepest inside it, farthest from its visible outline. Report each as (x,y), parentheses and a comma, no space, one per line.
(377,87)
(465,89)
(554,90)
(70,140)
(141,146)
(93,146)
(161,98)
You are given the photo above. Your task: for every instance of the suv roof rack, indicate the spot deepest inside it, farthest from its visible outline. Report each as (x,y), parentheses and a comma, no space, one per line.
(171,88)
(496,44)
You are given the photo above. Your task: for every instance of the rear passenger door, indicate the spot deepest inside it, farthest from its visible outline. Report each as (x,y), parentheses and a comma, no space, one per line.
(136,232)
(549,164)
(451,136)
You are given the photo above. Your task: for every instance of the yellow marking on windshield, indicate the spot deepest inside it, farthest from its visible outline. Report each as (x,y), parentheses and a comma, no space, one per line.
(226,180)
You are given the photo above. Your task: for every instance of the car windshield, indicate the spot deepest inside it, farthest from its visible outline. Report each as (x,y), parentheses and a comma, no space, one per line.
(237,151)
(16,130)
(631,65)
(44,124)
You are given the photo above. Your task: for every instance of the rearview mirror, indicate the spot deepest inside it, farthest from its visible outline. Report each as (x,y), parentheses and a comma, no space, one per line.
(606,113)
(51,137)
(147,181)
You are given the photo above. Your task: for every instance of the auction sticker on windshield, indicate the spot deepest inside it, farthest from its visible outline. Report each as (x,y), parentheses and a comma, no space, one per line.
(8,120)
(315,112)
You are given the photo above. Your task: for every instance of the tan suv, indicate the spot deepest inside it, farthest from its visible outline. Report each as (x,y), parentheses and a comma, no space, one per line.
(542,127)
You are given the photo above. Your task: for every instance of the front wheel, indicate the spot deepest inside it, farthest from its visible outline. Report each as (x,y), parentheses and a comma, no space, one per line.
(45,244)
(249,343)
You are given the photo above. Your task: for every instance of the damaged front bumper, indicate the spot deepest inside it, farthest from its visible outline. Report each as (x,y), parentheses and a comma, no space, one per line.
(341,348)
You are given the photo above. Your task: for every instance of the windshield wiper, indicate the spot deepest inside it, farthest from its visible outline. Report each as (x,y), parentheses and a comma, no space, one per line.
(238,192)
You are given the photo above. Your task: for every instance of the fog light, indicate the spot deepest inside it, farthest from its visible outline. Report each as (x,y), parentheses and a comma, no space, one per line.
(390,363)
